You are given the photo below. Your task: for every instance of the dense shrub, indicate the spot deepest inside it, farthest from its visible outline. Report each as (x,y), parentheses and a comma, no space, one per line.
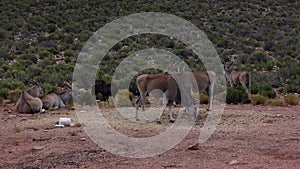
(124,98)
(264,89)
(14,95)
(203,98)
(236,95)
(276,102)
(291,99)
(7,85)
(49,87)
(29,58)
(258,99)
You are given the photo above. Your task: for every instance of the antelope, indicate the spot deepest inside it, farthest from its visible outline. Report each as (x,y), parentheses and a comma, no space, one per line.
(54,100)
(106,89)
(236,78)
(148,82)
(205,81)
(167,83)
(29,101)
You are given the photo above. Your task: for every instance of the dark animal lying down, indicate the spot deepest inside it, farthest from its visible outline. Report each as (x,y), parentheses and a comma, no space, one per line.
(106,89)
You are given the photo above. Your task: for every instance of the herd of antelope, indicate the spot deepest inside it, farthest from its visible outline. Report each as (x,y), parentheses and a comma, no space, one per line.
(166,83)
(29,102)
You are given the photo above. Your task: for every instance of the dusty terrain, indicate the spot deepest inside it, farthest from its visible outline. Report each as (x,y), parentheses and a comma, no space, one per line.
(247,137)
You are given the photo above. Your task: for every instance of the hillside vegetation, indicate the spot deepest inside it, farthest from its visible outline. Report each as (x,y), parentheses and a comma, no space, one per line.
(41,39)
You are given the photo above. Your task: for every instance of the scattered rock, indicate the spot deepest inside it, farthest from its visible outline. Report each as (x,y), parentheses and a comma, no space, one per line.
(82,139)
(234,162)
(37,148)
(59,125)
(12,115)
(278,115)
(76,124)
(194,147)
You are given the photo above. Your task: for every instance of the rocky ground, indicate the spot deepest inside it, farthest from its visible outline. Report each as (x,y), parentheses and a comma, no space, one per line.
(246,137)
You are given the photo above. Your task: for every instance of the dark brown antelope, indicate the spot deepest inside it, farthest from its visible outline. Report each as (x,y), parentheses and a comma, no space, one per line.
(29,101)
(106,89)
(54,100)
(236,78)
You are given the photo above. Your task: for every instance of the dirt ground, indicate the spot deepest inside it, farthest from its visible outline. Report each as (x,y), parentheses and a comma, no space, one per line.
(247,137)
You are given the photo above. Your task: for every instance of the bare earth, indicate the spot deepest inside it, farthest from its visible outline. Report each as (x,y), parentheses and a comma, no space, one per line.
(247,137)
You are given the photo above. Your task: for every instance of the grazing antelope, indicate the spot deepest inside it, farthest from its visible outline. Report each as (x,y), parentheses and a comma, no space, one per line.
(205,81)
(167,83)
(54,100)
(236,78)
(29,101)
(148,82)
(106,89)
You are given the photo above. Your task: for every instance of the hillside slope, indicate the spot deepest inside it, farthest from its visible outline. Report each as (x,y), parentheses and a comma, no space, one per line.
(40,40)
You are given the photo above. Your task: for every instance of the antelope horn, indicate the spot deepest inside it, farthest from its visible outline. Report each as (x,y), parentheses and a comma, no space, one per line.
(170,66)
(230,64)
(67,84)
(33,82)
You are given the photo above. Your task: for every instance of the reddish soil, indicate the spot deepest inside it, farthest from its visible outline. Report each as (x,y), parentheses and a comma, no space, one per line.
(247,137)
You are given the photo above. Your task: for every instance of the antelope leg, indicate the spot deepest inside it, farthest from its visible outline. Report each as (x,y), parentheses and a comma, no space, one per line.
(172,120)
(137,104)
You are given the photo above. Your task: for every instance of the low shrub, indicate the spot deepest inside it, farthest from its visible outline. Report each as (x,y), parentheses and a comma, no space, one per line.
(264,89)
(1,100)
(236,95)
(291,99)
(14,95)
(17,129)
(276,102)
(258,99)
(124,98)
(203,98)
(87,98)
(7,85)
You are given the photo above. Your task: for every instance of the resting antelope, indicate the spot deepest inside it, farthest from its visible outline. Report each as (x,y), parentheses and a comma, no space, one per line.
(236,78)
(29,101)
(54,100)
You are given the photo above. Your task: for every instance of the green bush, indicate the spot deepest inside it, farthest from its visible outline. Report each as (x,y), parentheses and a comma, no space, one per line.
(14,95)
(236,95)
(9,84)
(276,102)
(203,98)
(3,92)
(264,89)
(124,98)
(28,58)
(258,99)
(291,99)
(49,87)
(86,98)
(1,100)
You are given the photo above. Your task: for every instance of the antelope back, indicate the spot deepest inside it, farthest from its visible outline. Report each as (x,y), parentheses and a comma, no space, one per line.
(28,103)
(66,95)
(35,90)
